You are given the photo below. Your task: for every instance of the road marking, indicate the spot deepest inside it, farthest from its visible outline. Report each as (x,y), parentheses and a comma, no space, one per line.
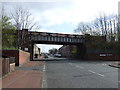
(70,63)
(79,66)
(104,64)
(44,80)
(96,73)
(100,74)
(44,68)
(91,71)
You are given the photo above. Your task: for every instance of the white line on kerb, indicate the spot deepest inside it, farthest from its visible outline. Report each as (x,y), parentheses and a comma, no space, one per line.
(44,68)
(44,80)
(96,73)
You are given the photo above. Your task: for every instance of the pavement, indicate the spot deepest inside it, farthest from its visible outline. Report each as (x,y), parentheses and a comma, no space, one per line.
(62,74)
(115,64)
(28,75)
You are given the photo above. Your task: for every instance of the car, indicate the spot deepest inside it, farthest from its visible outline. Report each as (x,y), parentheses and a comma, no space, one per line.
(57,55)
(45,56)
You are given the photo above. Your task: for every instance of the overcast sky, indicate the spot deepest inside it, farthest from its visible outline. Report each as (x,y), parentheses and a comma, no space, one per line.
(64,15)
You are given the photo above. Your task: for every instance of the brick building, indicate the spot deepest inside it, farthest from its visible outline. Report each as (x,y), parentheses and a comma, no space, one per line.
(68,51)
(36,50)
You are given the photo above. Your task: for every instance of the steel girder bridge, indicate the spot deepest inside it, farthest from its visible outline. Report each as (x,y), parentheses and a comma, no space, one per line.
(60,39)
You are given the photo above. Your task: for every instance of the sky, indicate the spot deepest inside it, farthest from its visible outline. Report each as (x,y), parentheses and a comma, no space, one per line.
(63,16)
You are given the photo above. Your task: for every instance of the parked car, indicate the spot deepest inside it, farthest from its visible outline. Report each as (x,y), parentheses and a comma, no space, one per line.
(57,55)
(45,56)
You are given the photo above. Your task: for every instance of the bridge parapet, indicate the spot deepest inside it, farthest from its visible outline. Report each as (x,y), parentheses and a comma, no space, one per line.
(56,37)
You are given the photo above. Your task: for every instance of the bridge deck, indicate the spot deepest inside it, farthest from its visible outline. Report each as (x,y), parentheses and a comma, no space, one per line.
(55,37)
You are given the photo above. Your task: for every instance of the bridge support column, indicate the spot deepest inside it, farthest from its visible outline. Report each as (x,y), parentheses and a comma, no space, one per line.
(31,51)
(81,51)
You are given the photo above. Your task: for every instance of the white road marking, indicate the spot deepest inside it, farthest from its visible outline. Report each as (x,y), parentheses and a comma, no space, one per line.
(79,66)
(96,73)
(44,80)
(70,63)
(44,68)
(76,66)
(100,74)
(104,64)
(91,71)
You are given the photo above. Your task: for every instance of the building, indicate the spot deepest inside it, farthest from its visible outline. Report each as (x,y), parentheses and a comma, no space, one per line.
(36,50)
(68,51)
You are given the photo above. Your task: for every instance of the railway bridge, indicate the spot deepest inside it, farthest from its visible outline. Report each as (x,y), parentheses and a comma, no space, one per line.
(32,37)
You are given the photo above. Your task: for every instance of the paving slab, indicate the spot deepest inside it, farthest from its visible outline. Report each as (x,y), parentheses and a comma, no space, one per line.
(115,64)
(25,78)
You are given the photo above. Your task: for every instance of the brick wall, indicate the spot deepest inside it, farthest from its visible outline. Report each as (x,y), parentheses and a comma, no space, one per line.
(103,56)
(21,57)
(5,66)
(12,53)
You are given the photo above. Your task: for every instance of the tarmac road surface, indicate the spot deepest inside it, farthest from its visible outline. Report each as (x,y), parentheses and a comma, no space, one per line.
(79,74)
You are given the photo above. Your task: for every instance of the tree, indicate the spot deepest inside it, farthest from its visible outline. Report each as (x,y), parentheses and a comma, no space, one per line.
(104,25)
(118,28)
(53,51)
(118,33)
(22,18)
(8,31)
(84,28)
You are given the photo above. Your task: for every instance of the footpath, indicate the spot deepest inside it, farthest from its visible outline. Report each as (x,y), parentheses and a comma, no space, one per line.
(115,64)
(26,76)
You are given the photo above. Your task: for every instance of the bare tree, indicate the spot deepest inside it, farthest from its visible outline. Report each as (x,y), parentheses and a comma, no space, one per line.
(53,51)
(22,18)
(83,28)
(102,24)
(105,25)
